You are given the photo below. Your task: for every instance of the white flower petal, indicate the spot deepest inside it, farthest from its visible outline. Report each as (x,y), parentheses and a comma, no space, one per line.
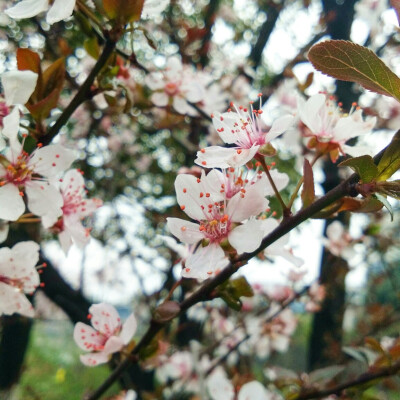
(11,125)
(128,329)
(12,205)
(205,263)
(44,199)
(254,391)
(247,237)
(13,301)
(93,359)
(105,318)
(279,126)
(187,232)
(51,160)
(159,99)
(86,337)
(61,9)
(18,86)
(27,9)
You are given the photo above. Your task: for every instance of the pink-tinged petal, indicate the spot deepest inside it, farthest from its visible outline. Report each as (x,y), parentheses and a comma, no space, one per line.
(247,237)
(205,263)
(159,99)
(249,204)
(87,338)
(14,301)
(254,391)
(105,318)
(49,161)
(78,233)
(44,200)
(61,9)
(191,195)
(128,329)
(11,126)
(113,345)
(94,359)
(18,86)
(226,125)
(214,157)
(12,205)
(219,387)
(155,81)
(180,249)
(182,106)
(65,240)
(153,8)
(187,232)
(194,92)
(72,182)
(279,126)
(27,9)
(308,111)
(173,69)
(242,156)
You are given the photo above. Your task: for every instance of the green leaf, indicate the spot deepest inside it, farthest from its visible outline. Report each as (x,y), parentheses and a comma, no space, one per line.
(364,166)
(390,161)
(348,61)
(92,47)
(385,202)
(308,192)
(324,375)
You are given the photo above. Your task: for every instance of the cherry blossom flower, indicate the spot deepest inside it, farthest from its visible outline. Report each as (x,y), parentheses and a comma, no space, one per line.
(18,275)
(220,210)
(329,128)
(175,84)
(273,335)
(243,129)
(22,173)
(76,207)
(220,388)
(107,337)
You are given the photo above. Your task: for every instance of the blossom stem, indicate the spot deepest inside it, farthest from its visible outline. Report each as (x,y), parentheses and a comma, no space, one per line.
(285,209)
(301,181)
(171,292)
(88,12)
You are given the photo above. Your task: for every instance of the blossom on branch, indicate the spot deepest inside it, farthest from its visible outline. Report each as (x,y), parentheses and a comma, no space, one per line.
(18,276)
(329,127)
(75,207)
(177,85)
(243,129)
(107,337)
(225,206)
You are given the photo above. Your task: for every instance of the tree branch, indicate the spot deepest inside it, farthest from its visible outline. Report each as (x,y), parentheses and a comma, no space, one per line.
(83,93)
(363,378)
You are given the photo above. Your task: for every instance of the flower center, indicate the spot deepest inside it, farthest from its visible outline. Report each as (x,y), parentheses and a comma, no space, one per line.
(216,229)
(171,88)
(18,172)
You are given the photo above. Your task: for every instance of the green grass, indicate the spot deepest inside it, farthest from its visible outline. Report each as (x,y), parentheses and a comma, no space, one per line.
(52,370)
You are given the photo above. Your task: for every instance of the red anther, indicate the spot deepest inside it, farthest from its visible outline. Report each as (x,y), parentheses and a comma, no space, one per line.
(182,208)
(198,180)
(207,194)
(21,194)
(24,135)
(89,316)
(239,151)
(273,163)
(212,115)
(54,164)
(354,104)
(260,111)
(245,109)
(203,163)
(231,104)
(340,104)
(229,110)
(259,95)
(201,194)
(184,190)
(44,265)
(41,284)
(39,145)
(251,102)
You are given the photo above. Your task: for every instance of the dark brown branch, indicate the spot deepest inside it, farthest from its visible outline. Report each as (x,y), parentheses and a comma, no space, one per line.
(84,92)
(363,378)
